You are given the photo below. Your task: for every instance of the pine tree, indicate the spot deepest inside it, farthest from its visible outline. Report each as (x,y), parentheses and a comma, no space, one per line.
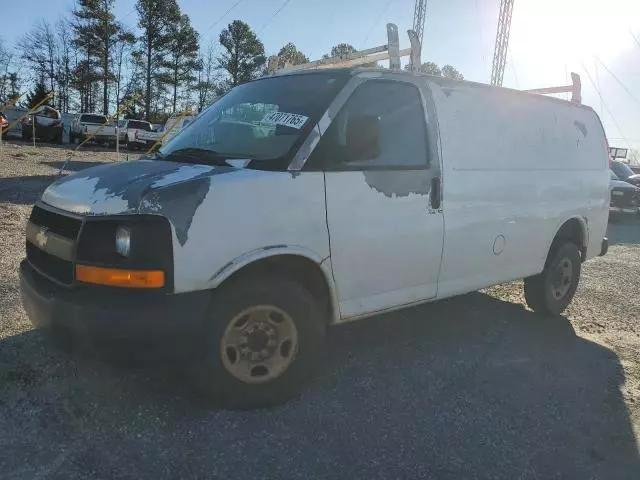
(290,55)
(37,94)
(98,31)
(245,53)
(154,18)
(182,60)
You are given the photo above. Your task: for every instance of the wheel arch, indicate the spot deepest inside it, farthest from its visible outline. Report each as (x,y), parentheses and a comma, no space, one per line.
(574,229)
(305,266)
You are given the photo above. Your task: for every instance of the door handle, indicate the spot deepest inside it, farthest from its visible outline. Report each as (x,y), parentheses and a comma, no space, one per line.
(434,194)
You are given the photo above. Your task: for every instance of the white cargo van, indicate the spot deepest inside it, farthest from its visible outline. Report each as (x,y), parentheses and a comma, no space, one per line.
(306,200)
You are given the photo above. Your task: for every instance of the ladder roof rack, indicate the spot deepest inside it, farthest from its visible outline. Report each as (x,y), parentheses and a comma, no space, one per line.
(391,51)
(575,89)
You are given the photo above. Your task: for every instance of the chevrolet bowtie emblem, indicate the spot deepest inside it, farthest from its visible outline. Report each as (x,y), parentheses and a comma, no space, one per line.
(41,237)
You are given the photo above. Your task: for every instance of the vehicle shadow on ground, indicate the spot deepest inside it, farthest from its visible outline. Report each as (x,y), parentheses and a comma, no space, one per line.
(28,189)
(472,387)
(24,190)
(88,147)
(72,165)
(624,229)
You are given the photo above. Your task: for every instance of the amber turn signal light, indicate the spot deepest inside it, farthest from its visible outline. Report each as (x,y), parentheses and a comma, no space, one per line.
(117,277)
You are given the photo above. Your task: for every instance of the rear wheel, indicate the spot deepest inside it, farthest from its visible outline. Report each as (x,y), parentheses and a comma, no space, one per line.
(551,291)
(261,343)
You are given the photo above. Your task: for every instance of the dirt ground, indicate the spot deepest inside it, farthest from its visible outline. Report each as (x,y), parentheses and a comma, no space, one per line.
(472,387)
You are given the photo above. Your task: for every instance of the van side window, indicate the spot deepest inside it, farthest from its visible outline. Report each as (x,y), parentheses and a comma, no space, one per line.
(380,127)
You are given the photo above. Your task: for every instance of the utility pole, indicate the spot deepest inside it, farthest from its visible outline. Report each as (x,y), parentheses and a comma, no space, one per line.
(419,15)
(502,42)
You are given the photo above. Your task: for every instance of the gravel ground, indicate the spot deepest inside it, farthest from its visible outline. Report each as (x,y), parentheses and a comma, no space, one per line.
(472,387)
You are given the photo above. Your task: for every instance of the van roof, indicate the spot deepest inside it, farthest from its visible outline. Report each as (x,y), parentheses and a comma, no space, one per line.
(351,71)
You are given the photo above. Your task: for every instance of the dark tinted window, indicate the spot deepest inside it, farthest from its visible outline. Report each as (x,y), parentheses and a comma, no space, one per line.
(97,119)
(401,125)
(139,125)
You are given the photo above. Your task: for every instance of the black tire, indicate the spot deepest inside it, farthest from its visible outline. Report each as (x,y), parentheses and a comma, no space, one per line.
(542,291)
(219,384)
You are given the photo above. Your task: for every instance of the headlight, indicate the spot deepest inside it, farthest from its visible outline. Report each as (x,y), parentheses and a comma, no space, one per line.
(123,241)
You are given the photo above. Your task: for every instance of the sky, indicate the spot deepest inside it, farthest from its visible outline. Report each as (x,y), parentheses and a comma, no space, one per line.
(549,39)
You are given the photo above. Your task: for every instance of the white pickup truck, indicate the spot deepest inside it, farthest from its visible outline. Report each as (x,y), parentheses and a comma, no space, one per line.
(132,133)
(94,126)
(305,200)
(171,128)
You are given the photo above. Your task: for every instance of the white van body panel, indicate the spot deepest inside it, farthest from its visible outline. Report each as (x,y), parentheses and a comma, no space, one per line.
(515,168)
(243,213)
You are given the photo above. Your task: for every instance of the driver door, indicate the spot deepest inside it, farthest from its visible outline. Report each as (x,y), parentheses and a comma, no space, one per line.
(382,199)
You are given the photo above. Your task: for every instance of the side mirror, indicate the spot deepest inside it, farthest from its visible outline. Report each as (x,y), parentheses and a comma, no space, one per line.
(363,138)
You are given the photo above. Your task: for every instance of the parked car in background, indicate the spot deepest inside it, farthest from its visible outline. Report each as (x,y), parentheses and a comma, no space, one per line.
(94,126)
(174,125)
(130,133)
(48,125)
(625,197)
(4,125)
(624,172)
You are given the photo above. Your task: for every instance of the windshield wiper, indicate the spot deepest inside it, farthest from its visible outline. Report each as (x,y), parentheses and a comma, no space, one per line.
(198,155)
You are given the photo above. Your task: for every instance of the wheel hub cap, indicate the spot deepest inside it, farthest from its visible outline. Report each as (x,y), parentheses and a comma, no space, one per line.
(259,344)
(562,278)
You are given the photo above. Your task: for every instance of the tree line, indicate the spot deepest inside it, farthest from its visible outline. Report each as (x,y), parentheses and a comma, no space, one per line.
(96,63)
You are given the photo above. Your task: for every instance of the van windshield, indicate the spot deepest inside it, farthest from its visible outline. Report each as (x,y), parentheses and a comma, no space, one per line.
(261,120)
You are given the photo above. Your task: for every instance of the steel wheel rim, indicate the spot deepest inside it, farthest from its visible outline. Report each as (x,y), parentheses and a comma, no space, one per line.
(259,344)
(562,279)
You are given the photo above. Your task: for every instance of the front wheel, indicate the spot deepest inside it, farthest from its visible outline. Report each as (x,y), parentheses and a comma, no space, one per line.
(551,291)
(261,343)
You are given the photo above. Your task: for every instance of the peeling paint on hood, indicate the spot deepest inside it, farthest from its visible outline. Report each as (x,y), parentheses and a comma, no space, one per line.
(119,188)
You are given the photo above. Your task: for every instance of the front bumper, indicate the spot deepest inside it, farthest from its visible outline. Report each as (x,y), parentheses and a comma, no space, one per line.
(111,313)
(630,209)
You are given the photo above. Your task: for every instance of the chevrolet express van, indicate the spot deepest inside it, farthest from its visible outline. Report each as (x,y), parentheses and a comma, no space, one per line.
(304,200)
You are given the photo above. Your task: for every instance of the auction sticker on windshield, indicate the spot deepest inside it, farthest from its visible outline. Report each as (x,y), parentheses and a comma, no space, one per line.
(292,120)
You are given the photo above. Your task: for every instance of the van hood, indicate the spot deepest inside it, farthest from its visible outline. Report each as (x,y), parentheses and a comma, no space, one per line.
(119,188)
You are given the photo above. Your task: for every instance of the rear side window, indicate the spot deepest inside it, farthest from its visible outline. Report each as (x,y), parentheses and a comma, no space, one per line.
(397,110)
(139,125)
(97,119)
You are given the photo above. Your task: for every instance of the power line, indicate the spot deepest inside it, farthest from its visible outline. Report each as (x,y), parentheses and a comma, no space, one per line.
(275,14)
(635,38)
(617,80)
(615,122)
(598,82)
(625,139)
(375,23)
(219,19)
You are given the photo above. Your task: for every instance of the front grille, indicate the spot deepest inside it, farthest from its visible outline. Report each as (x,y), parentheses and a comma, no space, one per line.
(56,268)
(626,200)
(64,226)
(50,265)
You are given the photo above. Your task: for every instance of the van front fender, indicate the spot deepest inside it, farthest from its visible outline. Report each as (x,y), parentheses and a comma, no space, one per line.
(273,251)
